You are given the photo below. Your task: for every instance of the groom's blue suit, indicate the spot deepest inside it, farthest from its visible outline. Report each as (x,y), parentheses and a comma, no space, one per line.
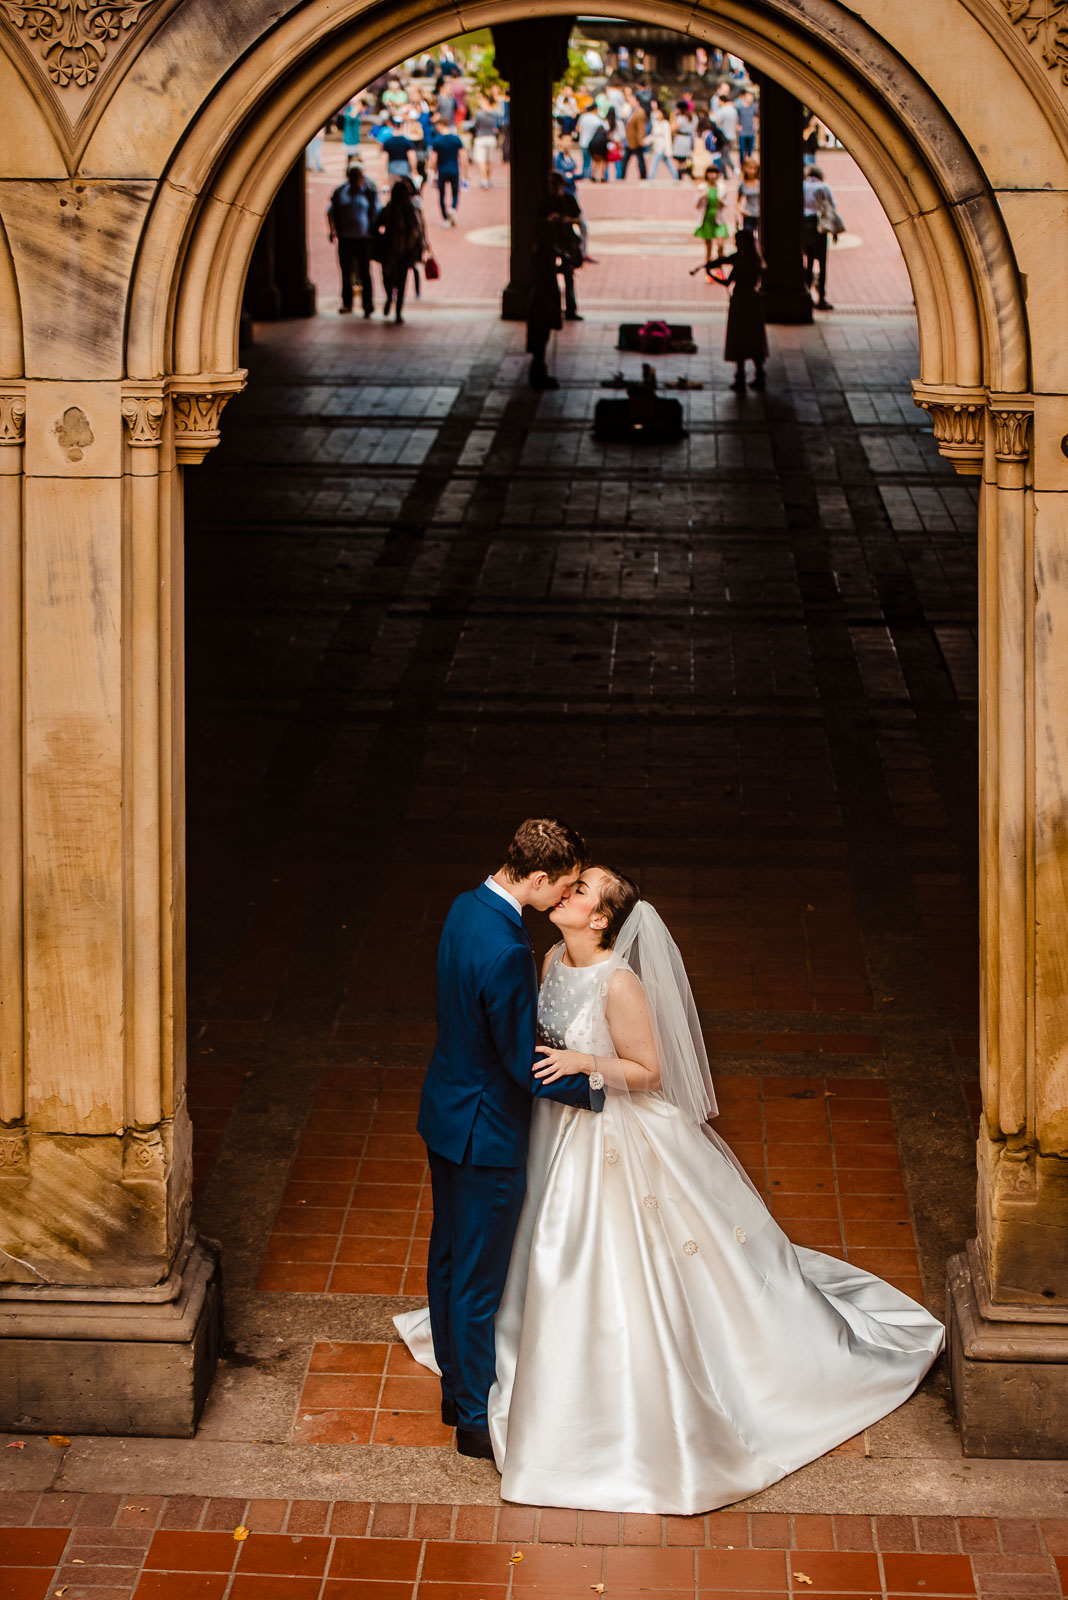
(475,1119)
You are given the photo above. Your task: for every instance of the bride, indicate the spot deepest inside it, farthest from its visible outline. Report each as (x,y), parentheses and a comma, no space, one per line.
(661,1345)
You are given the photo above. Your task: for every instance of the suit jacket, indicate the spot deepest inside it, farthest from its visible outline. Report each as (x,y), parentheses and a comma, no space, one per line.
(479,1089)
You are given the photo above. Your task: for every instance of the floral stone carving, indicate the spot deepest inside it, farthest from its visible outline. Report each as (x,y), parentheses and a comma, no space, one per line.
(1044,23)
(73,36)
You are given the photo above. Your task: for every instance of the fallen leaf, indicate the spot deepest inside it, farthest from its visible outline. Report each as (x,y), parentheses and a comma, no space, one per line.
(62,1590)
(241,1533)
(802,1577)
(76,1561)
(60,1440)
(598,1588)
(516,1558)
(17,1444)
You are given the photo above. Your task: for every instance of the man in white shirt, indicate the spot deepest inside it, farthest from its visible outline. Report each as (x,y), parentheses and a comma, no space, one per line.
(588,124)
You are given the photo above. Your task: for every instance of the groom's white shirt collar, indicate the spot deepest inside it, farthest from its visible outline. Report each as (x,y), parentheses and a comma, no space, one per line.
(511,899)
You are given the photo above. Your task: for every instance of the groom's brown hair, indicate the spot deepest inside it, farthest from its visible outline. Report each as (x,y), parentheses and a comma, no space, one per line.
(544,844)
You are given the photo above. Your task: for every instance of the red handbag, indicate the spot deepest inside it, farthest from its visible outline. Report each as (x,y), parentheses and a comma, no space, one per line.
(431,268)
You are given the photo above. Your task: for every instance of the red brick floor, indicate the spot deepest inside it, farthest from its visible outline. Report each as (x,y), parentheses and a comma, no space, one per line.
(108,1547)
(356,1215)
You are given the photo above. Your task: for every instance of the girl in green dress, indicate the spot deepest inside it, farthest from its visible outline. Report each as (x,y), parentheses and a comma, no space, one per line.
(714,232)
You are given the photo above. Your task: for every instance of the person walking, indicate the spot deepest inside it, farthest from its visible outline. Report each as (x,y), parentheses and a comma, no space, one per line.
(599,148)
(351,221)
(614,157)
(747,338)
(350,129)
(400,244)
(682,144)
(725,118)
(821,222)
(633,136)
(746,107)
(588,124)
(484,132)
(449,159)
(398,150)
(661,137)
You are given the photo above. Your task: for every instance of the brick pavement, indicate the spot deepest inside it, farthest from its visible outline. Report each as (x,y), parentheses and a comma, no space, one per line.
(423,603)
(112,1547)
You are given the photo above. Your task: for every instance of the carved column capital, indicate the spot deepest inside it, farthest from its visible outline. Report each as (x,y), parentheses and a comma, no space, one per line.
(1011,415)
(142,413)
(12,417)
(958,417)
(196,405)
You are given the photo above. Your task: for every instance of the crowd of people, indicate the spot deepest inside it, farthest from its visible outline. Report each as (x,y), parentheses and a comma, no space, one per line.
(431,126)
(629,123)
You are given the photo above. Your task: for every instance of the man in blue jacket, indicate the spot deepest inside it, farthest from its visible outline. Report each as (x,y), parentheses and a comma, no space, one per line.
(475,1110)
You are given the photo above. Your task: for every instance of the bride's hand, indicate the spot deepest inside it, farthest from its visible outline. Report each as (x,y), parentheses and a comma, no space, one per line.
(560,1064)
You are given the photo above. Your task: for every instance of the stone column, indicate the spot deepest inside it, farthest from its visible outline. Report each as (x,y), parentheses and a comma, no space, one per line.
(531,56)
(13,1147)
(278,284)
(290,211)
(109,1304)
(1007,1300)
(783,291)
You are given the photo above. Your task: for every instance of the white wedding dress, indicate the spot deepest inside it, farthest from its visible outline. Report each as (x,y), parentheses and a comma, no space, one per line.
(661,1345)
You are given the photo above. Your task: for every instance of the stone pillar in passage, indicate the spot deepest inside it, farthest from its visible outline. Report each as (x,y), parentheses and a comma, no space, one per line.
(1007,1294)
(278,284)
(783,291)
(531,56)
(110,1310)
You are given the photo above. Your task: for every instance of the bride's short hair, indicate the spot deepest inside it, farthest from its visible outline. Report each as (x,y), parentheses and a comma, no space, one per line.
(544,844)
(619,896)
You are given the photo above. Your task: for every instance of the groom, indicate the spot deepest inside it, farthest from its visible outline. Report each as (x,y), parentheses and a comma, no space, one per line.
(475,1110)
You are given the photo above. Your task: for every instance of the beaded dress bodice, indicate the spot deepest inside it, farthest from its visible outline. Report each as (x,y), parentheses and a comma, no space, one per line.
(569,1016)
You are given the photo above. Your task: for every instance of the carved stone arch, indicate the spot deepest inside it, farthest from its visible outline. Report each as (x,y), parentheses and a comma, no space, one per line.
(187,287)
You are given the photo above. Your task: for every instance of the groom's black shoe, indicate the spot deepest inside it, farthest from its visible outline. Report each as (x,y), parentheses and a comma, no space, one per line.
(448,1411)
(474,1442)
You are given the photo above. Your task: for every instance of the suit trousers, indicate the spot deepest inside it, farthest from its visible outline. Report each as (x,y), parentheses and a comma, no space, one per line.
(476,1213)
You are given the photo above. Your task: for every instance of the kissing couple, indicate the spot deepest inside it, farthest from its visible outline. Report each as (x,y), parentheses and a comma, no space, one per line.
(618,1321)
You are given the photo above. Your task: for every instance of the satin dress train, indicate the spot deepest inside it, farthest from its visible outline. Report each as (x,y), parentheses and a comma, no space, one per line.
(661,1345)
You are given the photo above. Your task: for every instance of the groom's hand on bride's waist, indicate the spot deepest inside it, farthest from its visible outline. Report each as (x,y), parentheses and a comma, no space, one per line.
(555,1064)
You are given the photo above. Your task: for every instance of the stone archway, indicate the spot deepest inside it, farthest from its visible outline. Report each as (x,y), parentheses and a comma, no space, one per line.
(144,223)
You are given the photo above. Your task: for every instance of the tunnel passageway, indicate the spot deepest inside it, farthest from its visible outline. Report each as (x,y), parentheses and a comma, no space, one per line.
(423,602)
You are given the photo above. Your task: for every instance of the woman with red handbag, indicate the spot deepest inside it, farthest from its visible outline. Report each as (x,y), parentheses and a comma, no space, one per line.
(400,243)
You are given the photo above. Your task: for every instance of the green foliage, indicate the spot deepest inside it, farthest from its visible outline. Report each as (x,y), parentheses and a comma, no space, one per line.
(482,67)
(577,71)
